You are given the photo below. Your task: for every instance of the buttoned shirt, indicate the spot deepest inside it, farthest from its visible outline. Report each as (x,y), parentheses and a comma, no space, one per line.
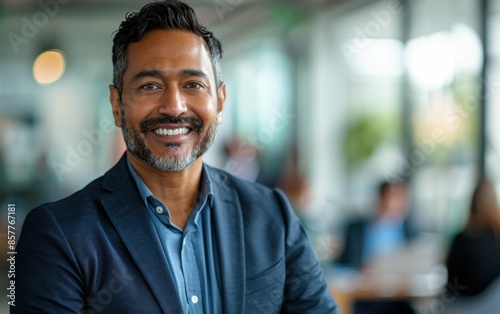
(191,252)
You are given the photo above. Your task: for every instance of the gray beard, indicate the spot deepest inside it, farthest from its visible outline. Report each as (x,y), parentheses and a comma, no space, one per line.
(138,148)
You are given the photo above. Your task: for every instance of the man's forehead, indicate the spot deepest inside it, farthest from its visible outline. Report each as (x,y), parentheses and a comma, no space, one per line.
(168,50)
(175,43)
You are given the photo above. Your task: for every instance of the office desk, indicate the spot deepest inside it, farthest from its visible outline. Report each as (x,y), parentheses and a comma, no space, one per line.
(412,273)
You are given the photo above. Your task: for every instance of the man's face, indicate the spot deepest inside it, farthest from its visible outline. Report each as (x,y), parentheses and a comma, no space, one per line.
(394,201)
(170,106)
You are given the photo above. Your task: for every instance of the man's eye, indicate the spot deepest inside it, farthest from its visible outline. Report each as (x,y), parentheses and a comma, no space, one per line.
(149,87)
(194,85)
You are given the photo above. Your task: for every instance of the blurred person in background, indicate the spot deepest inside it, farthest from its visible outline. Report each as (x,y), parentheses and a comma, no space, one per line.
(242,159)
(162,232)
(384,232)
(473,262)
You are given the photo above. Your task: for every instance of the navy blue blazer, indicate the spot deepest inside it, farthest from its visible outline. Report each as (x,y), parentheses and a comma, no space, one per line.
(97,251)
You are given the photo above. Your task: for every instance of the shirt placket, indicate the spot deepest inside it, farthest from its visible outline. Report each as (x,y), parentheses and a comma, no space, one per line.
(190,272)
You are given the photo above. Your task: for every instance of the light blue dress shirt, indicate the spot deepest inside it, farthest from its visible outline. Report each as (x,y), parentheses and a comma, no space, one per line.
(190,253)
(383,236)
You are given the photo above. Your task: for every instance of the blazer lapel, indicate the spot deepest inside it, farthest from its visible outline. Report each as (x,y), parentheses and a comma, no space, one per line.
(132,222)
(229,234)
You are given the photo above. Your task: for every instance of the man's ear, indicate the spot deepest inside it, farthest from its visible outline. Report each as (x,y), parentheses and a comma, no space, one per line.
(114,99)
(221,99)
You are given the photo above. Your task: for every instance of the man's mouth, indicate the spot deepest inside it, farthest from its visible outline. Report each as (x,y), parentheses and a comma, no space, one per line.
(170,126)
(165,131)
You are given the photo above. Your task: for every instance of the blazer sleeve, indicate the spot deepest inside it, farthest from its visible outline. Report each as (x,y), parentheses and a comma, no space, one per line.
(48,279)
(306,290)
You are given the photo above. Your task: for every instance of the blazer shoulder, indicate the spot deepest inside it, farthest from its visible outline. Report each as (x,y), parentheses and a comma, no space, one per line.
(81,202)
(74,205)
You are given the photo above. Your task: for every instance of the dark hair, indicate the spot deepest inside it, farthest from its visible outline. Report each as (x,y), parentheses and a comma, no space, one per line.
(385,187)
(169,14)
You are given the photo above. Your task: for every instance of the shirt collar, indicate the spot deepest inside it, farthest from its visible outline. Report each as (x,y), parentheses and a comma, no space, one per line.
(206,190)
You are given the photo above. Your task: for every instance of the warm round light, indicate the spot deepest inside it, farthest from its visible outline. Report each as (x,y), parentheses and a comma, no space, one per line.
(48,67)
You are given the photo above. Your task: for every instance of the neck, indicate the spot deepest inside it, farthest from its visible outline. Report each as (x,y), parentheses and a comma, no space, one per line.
(178,190)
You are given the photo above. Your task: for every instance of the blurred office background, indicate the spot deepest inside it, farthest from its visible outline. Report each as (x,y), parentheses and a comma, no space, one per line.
(326,98)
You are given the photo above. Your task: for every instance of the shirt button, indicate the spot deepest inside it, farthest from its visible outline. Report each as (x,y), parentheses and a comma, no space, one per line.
(194,299)
(159,210)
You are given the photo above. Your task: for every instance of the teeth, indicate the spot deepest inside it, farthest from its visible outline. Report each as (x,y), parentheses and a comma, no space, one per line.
(180,131)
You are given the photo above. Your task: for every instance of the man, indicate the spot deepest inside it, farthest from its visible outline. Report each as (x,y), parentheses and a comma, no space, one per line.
(161,232)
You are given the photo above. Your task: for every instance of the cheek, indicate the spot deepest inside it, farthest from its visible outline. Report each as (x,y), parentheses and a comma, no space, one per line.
(134,114)
(207,110)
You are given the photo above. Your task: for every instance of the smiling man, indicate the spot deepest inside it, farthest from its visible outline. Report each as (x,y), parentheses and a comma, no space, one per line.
(162,232)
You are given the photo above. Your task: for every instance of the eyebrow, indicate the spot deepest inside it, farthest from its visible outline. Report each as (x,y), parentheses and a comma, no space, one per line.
(195,72)
(160,74)
(147,73)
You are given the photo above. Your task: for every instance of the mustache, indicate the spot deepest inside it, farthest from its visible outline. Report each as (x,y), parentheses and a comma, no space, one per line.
(152,123)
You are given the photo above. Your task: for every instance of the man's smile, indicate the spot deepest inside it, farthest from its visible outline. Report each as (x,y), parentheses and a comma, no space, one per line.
(170,132)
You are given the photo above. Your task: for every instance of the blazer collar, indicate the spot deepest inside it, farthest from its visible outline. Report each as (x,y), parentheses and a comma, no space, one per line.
(227,215)
(132,222)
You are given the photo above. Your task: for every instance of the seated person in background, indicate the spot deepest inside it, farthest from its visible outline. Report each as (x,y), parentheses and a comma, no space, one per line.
(383,233)
(474,259)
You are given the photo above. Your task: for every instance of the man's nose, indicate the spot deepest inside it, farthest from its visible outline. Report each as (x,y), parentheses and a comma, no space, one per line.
(172,102)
